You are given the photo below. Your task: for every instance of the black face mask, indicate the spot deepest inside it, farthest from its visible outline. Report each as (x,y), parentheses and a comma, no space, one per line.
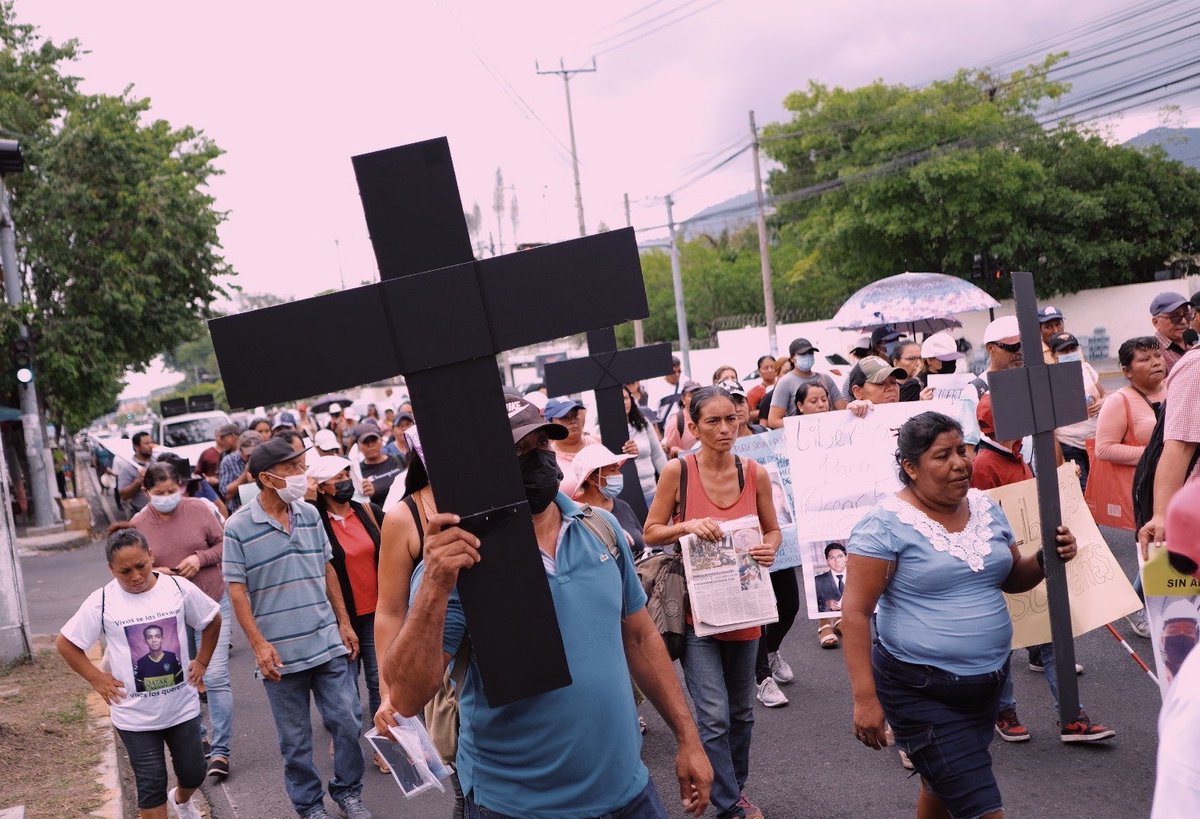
(948,367)
(1176,649)
(343,491)
(541,476)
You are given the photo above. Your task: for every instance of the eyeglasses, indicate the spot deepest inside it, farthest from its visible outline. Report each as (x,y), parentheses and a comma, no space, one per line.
(1180,316)
(1008,348)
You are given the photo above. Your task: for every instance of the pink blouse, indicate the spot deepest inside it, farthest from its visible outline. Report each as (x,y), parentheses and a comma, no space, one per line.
(1116,416)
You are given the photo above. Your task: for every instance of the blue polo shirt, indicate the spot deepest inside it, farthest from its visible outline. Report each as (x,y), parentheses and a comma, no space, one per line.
(284,574)
(575,751)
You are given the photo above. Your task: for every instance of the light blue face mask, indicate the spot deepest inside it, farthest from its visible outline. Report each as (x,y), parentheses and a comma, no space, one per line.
(804,362)
(1064,358)
(611,486)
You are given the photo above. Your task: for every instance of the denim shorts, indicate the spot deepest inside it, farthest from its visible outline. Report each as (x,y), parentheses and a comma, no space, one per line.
(646,805)
(944,722)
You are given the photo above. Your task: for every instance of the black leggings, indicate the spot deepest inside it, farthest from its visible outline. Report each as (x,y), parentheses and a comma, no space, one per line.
(149,763)
(787,599)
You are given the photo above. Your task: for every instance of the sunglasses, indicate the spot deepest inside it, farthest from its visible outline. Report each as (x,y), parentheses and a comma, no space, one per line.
(1008,348)
(1179,317)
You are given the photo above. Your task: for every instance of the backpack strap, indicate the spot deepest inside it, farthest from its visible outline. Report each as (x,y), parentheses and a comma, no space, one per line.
(683,486)
(603,530)
(462,659)
(737,461)
(411,503)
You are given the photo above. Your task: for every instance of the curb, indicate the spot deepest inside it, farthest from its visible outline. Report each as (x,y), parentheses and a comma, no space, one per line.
(57,542)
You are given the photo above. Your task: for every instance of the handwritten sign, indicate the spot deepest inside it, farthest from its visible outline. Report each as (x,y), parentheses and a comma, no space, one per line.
(1099,590)
(768,449)
(949,387)
(842,466)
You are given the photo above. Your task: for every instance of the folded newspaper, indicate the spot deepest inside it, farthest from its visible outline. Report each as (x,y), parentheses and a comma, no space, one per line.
(728,588)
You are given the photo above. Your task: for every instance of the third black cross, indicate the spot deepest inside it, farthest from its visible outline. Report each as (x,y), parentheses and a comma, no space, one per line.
(1037,399)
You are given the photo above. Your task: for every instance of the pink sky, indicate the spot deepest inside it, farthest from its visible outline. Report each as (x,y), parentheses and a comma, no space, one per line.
(291,91)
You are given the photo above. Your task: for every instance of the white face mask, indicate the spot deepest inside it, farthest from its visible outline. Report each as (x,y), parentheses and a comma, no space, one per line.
(804,362)
(165,503)
(1064,358)
(295,487)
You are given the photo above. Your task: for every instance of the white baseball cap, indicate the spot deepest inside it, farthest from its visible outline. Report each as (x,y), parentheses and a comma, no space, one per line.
(591,458)
(1002,328)
(940,345)
(325,439)
(326,467)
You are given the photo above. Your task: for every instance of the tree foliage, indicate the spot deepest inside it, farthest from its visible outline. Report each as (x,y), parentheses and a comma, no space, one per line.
(881,179)
(116,232)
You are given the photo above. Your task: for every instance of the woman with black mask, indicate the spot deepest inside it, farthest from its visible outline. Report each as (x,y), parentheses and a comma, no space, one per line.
(941,356)
(354,531)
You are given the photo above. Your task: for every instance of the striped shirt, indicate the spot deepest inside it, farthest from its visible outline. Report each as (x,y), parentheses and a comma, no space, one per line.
(284,575)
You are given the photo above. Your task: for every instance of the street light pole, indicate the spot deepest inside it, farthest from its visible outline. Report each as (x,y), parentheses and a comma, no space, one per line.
(45,514)
(677,281)
(763,246)
(566,73)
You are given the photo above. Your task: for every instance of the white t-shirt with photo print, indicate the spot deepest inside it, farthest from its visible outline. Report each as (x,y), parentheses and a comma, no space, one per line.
(147,647)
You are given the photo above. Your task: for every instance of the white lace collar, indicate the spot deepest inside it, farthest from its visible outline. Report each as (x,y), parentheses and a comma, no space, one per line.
(971,545)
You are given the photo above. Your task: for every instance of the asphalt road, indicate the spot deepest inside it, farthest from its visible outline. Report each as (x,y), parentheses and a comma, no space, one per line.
(803,760)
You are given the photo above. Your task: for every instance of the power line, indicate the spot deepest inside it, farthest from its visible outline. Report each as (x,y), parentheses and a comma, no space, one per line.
(644,23)
(668,24)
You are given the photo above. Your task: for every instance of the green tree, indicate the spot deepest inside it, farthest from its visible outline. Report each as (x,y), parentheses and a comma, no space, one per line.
(116,232)
(886,178)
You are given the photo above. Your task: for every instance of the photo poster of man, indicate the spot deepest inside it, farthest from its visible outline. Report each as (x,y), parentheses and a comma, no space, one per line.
(157,657)
(824,567)
(1173,613)
(769,451)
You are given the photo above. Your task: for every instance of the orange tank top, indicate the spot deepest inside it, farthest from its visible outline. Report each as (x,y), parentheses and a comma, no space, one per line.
(699,505)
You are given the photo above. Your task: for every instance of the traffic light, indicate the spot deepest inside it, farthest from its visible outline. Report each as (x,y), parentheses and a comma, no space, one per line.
(22,350)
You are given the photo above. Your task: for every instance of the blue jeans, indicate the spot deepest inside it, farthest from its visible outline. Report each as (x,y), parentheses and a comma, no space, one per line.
(216,683)
(719,675)
(367,662)
(1008,698)
(646,805)
(334,687)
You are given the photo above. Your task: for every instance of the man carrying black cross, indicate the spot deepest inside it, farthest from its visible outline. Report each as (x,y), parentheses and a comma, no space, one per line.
(574,751)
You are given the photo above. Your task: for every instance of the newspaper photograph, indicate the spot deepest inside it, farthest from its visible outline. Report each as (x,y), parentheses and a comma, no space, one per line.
(728,588)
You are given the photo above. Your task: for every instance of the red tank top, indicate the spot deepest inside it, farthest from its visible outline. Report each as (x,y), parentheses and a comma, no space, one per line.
(699,505)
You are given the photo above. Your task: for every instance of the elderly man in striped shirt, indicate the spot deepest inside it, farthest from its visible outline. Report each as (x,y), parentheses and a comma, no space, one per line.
(289,603)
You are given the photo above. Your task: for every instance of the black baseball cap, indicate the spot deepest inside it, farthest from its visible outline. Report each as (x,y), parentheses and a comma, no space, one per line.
(801,346)
(1062,341)
(270,453)
(525,418)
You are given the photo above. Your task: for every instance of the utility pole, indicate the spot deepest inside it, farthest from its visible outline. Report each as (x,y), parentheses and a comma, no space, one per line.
(639,333)
(677,281)
(45,514)
(566,73)
(763,246)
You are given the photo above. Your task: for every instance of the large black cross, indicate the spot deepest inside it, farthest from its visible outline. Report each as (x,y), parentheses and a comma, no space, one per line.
(1037,399)
(607,371)
(439,317)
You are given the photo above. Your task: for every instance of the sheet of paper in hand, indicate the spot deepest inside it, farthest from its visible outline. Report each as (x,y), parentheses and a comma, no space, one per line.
(769,450)
(1099,590)
(1173,613)
(728,588)
(842,465)
(949,387)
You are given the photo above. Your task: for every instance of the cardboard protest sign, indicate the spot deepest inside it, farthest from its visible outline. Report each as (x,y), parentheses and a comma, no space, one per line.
(842,466)
(769,451)
(1173,613)
(1099,590)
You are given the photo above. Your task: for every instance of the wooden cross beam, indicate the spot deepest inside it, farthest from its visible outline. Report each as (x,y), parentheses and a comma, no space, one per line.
(439,317)
(1037,399)
(606,372)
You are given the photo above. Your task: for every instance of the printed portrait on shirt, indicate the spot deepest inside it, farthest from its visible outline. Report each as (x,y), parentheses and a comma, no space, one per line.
(154,649)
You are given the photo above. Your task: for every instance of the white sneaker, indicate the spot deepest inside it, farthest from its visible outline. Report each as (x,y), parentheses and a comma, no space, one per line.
(184,810)
(770,695)
(780,670)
